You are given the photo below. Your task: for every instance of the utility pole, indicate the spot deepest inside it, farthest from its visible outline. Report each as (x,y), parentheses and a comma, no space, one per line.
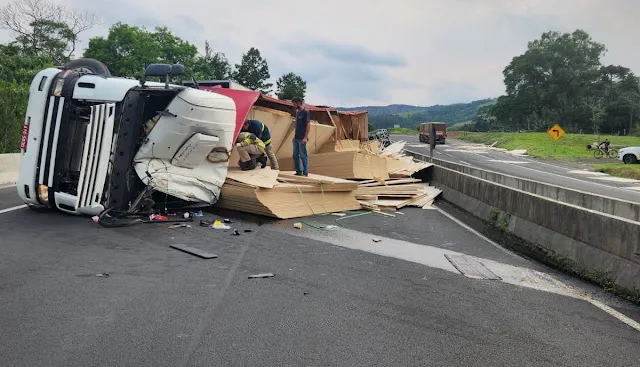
(432,141)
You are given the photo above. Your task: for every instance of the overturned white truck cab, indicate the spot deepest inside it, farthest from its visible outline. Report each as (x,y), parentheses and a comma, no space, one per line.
(94,143)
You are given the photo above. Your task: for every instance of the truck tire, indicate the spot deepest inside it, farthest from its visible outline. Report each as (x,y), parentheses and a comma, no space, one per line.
(93,66)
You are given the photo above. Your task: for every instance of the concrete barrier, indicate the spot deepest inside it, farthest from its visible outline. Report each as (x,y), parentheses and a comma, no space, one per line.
(604,204)
(597,246)
(9,168)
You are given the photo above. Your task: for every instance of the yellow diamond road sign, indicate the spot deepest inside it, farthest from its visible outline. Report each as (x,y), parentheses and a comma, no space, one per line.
(556,132)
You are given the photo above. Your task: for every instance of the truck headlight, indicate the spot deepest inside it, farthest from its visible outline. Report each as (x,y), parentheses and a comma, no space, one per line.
(43,193)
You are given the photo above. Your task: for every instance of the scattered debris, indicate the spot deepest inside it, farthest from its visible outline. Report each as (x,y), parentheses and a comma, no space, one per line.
(194,251)
(206,223)
(158,218)
(401,213)
(218,225)
(263,275)
(247,231)
(180,225)
(376,240)
(96,218)
(226,220)
(198,213)
(102,275)
(306,293)
(339,214)
(297,225)
(236,233)
(186,215)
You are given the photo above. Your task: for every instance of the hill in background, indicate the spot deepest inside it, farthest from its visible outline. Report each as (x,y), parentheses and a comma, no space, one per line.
(407,116)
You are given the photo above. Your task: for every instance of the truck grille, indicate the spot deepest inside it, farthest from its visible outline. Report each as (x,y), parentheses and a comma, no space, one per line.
(96,154)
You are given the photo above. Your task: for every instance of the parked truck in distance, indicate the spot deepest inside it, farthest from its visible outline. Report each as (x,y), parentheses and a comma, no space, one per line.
(425,131)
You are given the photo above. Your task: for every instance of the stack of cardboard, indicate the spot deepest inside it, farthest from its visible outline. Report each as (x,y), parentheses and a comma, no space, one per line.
(334,165)
(396,194)
(284,195)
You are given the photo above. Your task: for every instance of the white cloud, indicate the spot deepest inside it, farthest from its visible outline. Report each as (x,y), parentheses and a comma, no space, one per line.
(381,51)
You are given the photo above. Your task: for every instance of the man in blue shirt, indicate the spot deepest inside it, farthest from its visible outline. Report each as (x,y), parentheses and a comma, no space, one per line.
(261,130)
(303,125)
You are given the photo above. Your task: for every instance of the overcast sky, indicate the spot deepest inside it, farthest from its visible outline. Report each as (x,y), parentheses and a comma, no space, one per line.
(379,52)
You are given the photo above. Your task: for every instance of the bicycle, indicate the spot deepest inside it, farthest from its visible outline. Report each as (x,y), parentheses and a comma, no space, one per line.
(599,153)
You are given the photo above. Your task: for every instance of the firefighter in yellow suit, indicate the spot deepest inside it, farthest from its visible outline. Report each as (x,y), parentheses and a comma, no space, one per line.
(251,150)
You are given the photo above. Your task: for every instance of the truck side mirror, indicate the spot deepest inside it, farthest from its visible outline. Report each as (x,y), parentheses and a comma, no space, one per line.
(177,69)
(158,70)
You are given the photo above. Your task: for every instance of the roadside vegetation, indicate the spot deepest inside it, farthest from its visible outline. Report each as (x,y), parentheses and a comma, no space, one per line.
(403,131)
(619,170)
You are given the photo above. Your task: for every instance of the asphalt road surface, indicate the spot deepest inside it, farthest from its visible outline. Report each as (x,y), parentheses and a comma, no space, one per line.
(338,298)
(570,175)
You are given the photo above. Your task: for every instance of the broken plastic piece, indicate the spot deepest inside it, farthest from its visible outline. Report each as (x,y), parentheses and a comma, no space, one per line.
(218,225)
(376,240)
(181,225)
(339,214)
(227,220)
(157,217)
(236,233)
(96,218)
(297,225)
(102,275)
(206,223)
(198,213)
(263,275)
(194,251)
(247,231)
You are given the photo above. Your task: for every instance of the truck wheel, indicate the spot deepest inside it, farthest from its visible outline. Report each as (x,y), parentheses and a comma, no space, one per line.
(91,66)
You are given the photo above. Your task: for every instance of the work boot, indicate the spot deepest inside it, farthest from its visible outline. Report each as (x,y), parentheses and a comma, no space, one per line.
(248,165)
(262,160)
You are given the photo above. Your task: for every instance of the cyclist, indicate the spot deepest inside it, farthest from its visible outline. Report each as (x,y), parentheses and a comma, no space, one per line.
(605,146)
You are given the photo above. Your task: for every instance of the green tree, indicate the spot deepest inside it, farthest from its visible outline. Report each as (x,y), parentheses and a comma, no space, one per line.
(253,72)
(212,65)
(43,28)
(555,75)
(13,107)
(290,85)
(18,66)
(128,50)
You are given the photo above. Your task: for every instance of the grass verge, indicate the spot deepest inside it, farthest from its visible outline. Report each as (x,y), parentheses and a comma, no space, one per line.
(619,170)
(403,131)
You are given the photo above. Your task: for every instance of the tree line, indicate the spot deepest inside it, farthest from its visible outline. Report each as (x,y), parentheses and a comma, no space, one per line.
(47,34)
(561,79)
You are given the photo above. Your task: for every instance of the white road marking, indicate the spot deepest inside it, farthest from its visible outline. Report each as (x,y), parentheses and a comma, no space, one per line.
(614,313)
(634,188)
(465,151)
(576,292)
(615,179)
(508,161)
(434,257)
(12,209)
(438,152)
(561,176)
(588,173)
(463,162)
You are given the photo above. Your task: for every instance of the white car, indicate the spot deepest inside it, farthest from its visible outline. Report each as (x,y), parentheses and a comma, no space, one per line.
(629,155)
(93,143)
